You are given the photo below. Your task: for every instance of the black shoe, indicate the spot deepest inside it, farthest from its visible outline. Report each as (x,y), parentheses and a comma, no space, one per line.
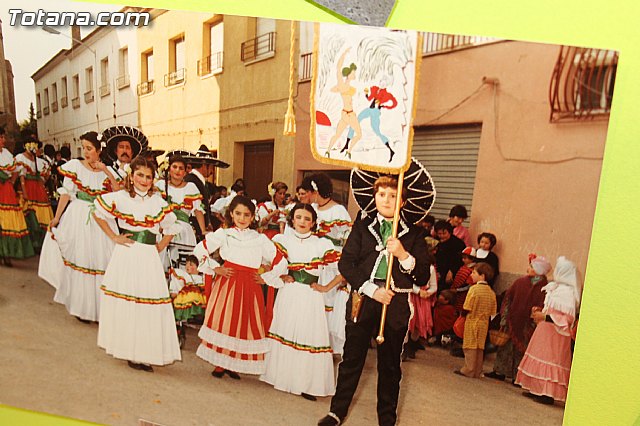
(7,262)
(494,375)
(391,154)
(345,147)
(146,367)
(419,346)
(141,367)
(308,397)
(84,321)
(329,420)
(528,394)
(543,399)
(218,373)
(232,374)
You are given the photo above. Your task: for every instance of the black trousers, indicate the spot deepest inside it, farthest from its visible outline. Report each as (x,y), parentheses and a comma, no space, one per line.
(358,336)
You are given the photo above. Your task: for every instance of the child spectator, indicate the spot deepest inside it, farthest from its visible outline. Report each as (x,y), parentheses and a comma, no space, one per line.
(457,215)
(427,223)
(463,280)
(486,243)
(444,315)
(478,309)
(186,288)
(448,259)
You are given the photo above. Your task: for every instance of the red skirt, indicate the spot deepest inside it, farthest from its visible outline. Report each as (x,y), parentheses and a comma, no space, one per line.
(233,333)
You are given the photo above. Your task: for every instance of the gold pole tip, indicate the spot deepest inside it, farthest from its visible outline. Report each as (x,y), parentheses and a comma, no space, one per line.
(380,340)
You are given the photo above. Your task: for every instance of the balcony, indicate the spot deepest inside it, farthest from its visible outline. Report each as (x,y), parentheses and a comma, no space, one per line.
(54,106)
(105,89)
(438,43)
(262,46)
(75,102)
(45,110)
(210,64)
(145,88)
(306,67)
(88,97)
(175,77)
(122,81)
(582,84)
(64,101)
(39,114)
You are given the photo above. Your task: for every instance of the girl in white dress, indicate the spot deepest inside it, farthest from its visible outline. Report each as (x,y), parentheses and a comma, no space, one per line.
(136,315)
(186,201)
(233,334)
(299,360)
(334,223)
(76,252)
(271,214)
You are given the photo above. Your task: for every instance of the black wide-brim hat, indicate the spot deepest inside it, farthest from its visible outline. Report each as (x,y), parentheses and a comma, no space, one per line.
(150,152)
(418,184)
(204,156)
(134,136)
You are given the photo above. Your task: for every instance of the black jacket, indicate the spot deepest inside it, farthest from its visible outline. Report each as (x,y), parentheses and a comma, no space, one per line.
(364,246)
(206,197)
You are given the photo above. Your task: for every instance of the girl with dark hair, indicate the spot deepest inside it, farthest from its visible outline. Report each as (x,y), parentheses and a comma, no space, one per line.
(271,214)
(186,201)
(33,174)
(14,236)
(299,360)
(334,223)
(136,315)
(233,334)
(76,252)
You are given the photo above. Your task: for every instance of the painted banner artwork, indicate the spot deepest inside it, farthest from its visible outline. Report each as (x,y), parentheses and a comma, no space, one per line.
(362,96)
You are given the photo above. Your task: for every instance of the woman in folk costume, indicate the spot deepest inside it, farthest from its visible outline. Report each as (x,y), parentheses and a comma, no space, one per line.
(76,252)
(233,334)
(334,223)
(136,315)
(271,215)
(186,201)
(299,360)
(33,174)
(14,236)
(545,367)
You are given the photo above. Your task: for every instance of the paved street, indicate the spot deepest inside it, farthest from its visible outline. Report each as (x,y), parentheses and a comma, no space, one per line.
(363,12)
(50,362)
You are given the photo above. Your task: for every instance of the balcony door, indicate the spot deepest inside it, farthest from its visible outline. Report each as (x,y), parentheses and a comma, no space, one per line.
(258,168)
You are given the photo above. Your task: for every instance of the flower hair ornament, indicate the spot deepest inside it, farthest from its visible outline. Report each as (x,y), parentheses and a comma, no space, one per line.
(31,146)
(127,168)
(164,167)
(103,143)
(271,190)
(314,185)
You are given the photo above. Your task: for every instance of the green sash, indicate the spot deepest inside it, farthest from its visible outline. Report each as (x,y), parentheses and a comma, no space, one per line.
(143,237)
(336,242)
(303,277)
(81,195)
(182,216)
(4,176)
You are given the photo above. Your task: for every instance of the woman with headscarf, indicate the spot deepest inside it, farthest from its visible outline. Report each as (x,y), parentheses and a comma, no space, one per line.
(515,317)
(545,367)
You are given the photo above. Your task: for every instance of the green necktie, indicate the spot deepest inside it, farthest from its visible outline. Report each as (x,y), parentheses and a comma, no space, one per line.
(385,233)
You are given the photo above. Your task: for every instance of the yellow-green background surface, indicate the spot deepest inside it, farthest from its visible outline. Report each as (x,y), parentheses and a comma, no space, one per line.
(605,378)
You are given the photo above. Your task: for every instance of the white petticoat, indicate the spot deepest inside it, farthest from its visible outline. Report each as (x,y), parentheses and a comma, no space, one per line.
(299,359)
(50,265)
(136,315)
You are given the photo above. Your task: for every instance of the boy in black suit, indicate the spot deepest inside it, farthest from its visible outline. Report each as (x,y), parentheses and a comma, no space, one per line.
(364,264)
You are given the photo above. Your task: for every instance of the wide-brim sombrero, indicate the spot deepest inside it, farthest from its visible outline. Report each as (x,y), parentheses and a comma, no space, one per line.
(204,156)
(155,153)
(134,136)
(418,184)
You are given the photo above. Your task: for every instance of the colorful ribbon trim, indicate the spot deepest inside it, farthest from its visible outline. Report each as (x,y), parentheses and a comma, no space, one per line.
(299,346)
(141,300)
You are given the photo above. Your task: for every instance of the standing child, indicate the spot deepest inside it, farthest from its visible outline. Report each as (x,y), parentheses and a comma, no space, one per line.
(457,215)
(233,334)
(478,308)
(486,243)
(136,318)
(463,281)
(186,288)
(299,360)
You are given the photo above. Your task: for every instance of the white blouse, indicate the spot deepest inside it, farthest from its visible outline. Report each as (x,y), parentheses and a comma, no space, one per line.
(78,178)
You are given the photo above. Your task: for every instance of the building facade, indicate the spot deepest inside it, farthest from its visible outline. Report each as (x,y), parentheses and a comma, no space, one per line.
(7,95)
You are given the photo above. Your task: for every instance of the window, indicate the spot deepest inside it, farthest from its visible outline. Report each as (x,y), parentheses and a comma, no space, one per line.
(38,106)
(212,44)
(123,68)
(54,94)
(64,101)
(264,44)
(75,100)
(582,83)
(45,109)
(146,70)
(176,74)
(306,49)
(88,94)
(104,77)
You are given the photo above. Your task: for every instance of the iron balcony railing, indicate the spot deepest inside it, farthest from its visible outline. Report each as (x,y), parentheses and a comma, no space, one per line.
(256,47)
(39,114)
(210,63)
(75,102)
(45,110)
(105,89)
(175,77)
(438,43)
(306,66)
(88,97)
(582,83)
(54,106)
(64,101)
(145,87)
(122,81)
